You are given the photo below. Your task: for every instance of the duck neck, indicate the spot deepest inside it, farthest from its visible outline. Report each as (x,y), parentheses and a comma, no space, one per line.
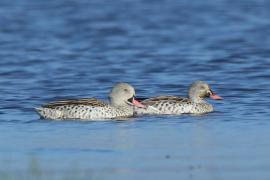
(195,99)
(119,104)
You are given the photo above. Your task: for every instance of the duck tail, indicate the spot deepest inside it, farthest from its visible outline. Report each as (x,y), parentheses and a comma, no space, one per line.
(48,113)
(40,111)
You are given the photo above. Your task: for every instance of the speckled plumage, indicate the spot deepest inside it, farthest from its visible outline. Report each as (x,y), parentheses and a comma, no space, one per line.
(173,105)
(194,104)
(82,109)
(91,108)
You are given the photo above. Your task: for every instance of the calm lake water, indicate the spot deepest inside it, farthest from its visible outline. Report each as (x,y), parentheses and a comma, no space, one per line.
(51,50)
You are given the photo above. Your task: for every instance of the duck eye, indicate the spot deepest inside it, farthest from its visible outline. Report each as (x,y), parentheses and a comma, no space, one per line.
(126,90)
(202,87)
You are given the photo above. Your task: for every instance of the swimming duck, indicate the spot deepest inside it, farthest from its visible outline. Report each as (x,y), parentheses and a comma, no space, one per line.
(121,105)
(174,105)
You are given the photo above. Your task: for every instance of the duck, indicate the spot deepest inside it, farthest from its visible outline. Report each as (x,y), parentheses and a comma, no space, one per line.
(121,105)
(173,105)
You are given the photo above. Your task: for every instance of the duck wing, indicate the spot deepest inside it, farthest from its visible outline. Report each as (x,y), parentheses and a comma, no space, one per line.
(70,102)
(159,99)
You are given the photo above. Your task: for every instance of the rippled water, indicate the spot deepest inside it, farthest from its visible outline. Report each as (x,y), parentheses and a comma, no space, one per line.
(59,49)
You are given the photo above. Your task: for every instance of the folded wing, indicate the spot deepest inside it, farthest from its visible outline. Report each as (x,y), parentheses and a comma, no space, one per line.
(84,101)
(158,99)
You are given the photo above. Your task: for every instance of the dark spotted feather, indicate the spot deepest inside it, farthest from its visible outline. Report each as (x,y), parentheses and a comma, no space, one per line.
(173,99)
(85,101)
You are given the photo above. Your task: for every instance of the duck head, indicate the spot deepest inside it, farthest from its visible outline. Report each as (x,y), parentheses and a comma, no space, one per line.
(123,94)
(199,90)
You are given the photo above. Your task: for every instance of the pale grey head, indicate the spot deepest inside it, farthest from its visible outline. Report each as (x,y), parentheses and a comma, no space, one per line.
(199,90)
(123,94)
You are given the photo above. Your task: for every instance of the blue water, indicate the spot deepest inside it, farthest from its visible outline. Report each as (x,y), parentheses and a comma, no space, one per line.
(51,50)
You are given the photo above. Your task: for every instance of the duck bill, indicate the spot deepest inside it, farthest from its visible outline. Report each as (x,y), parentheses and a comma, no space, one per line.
(215,97)
(137,103)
